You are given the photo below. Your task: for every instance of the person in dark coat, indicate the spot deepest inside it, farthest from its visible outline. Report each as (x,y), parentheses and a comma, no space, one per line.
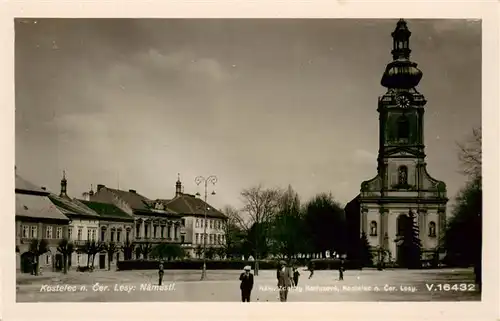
(160,273)
(296,275)
(311,269)
(246,285)
(341,270)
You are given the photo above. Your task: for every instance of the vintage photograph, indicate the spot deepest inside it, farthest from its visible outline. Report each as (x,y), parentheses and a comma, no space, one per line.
(248,160)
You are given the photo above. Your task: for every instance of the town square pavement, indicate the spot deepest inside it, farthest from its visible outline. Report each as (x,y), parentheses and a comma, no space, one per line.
(223,286)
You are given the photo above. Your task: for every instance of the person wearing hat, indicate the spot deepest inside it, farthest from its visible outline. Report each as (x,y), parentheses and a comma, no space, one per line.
(285,278)
(246,285)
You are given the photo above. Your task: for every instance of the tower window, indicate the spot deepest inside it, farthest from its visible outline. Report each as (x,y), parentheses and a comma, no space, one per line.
(403,128)
(403,175)
(373,228)
(432,229)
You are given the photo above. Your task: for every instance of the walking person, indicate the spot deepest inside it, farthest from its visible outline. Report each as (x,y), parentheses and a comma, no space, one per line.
(246,285)
(285,279)
(296,275)
(311,269)
(160,273)
(341,270)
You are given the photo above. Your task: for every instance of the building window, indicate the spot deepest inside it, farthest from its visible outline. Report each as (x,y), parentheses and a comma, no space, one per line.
(112,236)
(26,232)
(89,232)
(94,234)
(182,238)
(162,232)
(59,232)
(400,224)
(127,235)
(183,222)
(34,232)
(47,259)
(118,238)
(403,175)
(70,232)
(146,230)
(103,234)
(403,128)
(79,235)
(219,239)
(197,240)
(432,229)
(169,231)
(373,228)
(211,224)
(155,230)
(197,223)
(138,230)
(78,258)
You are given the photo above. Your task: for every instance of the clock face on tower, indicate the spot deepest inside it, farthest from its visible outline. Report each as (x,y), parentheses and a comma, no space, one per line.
(403,101)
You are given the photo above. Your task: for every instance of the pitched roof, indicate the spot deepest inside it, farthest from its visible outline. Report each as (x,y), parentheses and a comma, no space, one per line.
(72,207)
(36,206)
(24,185)
(135,200)
(107,210)
(187,204)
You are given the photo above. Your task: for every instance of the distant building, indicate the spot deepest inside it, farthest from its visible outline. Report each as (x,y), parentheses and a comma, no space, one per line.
(192,210)
(37,218)
(115,226)
(402,183)
(83,224)
(154,223)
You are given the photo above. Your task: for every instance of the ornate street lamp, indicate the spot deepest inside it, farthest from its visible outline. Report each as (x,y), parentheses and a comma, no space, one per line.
(198,180)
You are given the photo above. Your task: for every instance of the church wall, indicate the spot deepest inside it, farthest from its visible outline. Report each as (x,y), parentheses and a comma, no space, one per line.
(373,216)
(429,242)
(402,194)
(393,166)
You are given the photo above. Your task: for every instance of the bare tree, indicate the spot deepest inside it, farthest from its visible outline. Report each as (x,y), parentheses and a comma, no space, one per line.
(232,231)
(259,207)
(470,155)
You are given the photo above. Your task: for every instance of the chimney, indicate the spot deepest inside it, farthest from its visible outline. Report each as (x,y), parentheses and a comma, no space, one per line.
(99,186)
(132,191)
(44,188)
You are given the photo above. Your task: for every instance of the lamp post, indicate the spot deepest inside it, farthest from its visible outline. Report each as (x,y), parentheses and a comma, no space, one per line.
(198,180)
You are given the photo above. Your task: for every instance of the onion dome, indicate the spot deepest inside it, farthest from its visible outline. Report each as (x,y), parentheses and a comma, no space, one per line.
(401,72)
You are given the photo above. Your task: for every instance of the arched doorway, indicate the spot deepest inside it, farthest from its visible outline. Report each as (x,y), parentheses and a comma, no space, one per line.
(27,260)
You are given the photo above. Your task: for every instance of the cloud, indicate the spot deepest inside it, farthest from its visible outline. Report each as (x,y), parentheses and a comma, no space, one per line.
(184,65)
(364,155)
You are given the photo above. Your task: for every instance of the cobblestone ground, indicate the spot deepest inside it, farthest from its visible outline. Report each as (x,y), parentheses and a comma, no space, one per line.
(223,286)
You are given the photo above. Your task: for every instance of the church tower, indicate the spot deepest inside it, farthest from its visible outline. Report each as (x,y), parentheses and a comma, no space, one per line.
(64,186)
(178,186)
(402,183)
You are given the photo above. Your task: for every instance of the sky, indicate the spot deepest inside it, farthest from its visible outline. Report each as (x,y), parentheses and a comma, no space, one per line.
(130,103)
